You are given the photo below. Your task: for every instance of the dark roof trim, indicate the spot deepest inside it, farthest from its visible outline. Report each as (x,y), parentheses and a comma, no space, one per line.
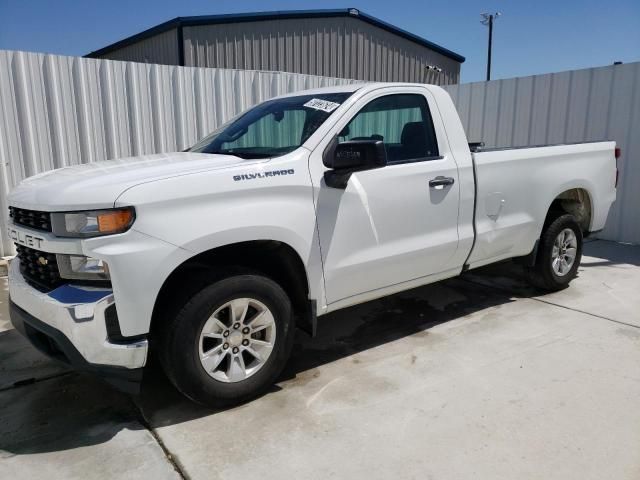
(278,15)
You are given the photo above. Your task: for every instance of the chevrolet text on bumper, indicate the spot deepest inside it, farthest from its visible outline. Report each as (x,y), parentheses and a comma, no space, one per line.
(303,205)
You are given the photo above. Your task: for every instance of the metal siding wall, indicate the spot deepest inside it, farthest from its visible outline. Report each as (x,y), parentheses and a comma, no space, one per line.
(335,47)
(577,106)
(161,48)
(57,111)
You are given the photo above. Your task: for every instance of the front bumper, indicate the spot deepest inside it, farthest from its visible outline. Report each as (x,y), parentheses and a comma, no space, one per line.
(69,324)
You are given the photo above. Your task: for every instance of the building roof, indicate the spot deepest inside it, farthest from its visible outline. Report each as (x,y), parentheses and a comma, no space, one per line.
(277,15)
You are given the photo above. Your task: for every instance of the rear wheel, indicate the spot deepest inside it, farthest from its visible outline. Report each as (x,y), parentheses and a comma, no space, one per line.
(559,254)
(230,341)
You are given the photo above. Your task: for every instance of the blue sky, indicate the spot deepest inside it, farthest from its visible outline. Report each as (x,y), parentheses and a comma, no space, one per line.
(531,37)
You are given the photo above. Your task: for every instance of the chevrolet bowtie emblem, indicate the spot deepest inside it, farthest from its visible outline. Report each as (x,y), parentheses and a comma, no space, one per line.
(42,261)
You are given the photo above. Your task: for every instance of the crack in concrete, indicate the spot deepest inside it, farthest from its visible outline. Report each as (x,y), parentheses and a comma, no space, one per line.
(620,322)
(175,463)
(538,299)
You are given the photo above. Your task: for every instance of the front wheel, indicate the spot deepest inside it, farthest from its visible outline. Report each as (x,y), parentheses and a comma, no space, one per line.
(559,254)
(230,341)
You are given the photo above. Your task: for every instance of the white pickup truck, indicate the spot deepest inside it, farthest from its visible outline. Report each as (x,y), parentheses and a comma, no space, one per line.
(303,205)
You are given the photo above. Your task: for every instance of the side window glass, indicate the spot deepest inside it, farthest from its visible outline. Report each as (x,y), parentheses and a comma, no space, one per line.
(403,122)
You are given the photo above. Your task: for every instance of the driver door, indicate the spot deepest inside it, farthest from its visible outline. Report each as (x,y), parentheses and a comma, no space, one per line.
(388,226)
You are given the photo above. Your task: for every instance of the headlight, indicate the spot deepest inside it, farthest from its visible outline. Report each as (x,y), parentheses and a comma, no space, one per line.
(79,267)
(92,223)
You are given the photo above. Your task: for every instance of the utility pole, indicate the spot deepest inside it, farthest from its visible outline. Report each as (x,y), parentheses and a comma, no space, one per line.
(487,19)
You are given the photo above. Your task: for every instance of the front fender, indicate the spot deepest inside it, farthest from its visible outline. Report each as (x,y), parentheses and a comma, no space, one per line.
(138,264)
(198,213)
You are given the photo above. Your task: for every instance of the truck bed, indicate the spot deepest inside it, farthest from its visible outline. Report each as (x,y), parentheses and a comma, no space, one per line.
(511,183)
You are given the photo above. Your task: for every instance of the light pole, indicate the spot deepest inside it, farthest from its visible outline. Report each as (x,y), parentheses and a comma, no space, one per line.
(487,19)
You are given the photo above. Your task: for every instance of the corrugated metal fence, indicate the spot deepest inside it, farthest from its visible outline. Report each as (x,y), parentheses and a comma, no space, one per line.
(576,106)
(57,111)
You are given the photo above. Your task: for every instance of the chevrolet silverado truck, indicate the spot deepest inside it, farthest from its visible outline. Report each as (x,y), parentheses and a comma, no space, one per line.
(303,205)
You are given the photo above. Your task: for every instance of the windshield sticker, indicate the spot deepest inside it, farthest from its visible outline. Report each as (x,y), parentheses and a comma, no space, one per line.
(324,105)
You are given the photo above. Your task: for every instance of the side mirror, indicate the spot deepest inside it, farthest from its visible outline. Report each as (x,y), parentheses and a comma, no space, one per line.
(345,158)
(357,155)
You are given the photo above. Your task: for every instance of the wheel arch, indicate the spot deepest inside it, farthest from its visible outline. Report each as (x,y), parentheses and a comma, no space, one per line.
(273,258)
(576,200)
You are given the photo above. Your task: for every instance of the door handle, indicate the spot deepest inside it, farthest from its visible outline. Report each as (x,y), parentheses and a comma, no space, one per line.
(440,182)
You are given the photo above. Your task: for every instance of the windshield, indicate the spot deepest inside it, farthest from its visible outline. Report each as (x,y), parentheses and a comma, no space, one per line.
(272,128)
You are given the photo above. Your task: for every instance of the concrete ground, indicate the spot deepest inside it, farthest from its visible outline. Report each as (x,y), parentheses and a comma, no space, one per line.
(476,377)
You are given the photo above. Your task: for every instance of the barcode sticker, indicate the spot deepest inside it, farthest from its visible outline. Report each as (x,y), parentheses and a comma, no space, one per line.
(324,105)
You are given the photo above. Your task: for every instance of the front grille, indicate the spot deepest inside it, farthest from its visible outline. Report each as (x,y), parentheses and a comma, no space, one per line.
(31,218)
(39,269)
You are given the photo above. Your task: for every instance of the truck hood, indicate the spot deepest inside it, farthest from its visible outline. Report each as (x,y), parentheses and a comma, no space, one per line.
(98,185)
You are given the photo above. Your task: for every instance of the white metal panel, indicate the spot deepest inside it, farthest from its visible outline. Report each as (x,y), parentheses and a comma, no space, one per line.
(491,107)
(577,106)
(539,110)
(57,111)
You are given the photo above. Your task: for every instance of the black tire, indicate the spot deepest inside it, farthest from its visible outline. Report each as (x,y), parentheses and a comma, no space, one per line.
(180,337)
(542,274)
